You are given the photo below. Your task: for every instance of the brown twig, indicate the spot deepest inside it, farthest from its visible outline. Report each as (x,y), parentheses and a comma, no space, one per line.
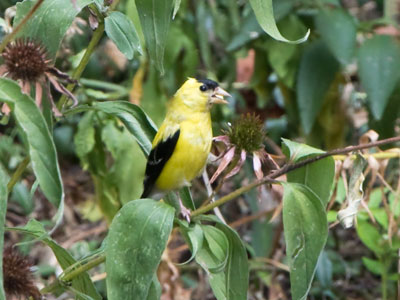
(288,168)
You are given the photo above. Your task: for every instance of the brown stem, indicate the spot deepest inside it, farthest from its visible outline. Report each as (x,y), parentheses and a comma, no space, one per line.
(288,168)
(9,37)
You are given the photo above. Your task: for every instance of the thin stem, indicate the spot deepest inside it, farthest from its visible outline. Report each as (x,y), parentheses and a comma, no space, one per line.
(392,153)
(21,24)
(288,168)
(98,33)
(17,174)
(384,279)
(74,271)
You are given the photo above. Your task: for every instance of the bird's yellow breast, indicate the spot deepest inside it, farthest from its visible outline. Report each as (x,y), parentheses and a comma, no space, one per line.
(191,151)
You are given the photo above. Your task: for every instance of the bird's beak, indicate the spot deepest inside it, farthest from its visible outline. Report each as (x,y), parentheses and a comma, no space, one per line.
(218,96)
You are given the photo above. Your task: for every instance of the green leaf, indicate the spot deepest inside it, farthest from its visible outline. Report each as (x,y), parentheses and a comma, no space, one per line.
(284,57)
(84,138)
(316,73)
(204,23)
(306,231)
(50,22)
(177,3)
(318,176)
(82,282)
(231,282)
(379,69)
(3,211)
(155,289)
(155,17)
(131,115)
(129,162)
(194,237)
(213,255)
(136,240)
(122,32)
(237,269)
(20,194)
(135,120)
(249,31)
(41,146)
(324,270)
(373,265)
(186,197)
(265,16)
(371,237)
(338,30)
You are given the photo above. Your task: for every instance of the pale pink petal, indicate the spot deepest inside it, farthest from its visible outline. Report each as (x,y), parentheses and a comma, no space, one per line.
(222,138)
(238,166)
(26,87)
(5,109)
(224,163)
(39,94)
(257,166)
(54,108)
(63,90)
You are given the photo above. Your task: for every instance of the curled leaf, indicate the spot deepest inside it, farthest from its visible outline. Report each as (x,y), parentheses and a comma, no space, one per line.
(355,194)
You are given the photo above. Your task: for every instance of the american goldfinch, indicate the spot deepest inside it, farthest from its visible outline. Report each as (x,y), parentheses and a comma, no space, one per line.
(182,144)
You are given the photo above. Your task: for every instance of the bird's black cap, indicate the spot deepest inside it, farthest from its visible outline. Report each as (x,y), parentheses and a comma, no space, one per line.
(210,84)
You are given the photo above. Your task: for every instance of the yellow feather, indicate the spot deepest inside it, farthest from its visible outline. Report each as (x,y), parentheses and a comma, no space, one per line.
(189,112)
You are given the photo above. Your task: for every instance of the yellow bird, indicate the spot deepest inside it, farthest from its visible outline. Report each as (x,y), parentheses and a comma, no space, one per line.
(182,144)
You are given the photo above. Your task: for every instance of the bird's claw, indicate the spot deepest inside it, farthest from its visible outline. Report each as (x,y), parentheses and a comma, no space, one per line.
(185,212)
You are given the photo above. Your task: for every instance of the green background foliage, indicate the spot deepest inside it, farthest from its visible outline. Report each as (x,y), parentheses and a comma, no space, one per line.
(321,72)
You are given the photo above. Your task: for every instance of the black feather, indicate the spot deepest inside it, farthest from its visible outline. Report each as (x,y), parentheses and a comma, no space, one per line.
(210,84)
(158,157)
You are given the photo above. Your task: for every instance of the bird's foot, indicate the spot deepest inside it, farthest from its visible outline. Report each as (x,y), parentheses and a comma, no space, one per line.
(185,212)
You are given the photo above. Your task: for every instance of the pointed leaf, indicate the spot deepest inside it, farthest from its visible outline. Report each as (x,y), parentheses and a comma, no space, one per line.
(41,146)
(134,118)
(122,32)
(194,237)
(50,22)
(316,73)
(318,176)
(231,282)
(306,230)
(265,16)
(379,69)
(137,238)
(80,283)
(338,30)
(155,17)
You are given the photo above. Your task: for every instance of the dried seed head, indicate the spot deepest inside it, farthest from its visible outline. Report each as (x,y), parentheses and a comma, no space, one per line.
(247,133)
(25,59)
(18,278)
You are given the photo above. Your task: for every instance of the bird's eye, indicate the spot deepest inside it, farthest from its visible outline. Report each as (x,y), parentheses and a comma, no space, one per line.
(203,88)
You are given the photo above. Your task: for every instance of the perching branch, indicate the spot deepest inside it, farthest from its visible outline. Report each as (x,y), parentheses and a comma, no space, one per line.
(271,178)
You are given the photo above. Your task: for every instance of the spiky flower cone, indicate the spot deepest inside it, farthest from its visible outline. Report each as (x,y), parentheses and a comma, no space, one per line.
(26,60)
(17,275)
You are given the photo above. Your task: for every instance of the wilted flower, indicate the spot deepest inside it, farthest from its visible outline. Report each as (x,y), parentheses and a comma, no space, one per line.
(17,276)
(26,61)
(245,136)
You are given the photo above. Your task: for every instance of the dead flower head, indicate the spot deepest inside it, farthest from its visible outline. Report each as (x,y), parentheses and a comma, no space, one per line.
(26,61)
(18,277)
(245,136)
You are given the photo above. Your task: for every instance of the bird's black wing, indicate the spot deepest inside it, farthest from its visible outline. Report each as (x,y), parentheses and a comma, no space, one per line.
(156,161)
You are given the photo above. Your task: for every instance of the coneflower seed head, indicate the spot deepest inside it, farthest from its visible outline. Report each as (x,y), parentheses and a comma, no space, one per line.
(17,275)
(247,133)
(25,59)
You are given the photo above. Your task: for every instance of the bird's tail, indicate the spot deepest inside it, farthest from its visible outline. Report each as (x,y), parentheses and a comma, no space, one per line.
(147,189)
